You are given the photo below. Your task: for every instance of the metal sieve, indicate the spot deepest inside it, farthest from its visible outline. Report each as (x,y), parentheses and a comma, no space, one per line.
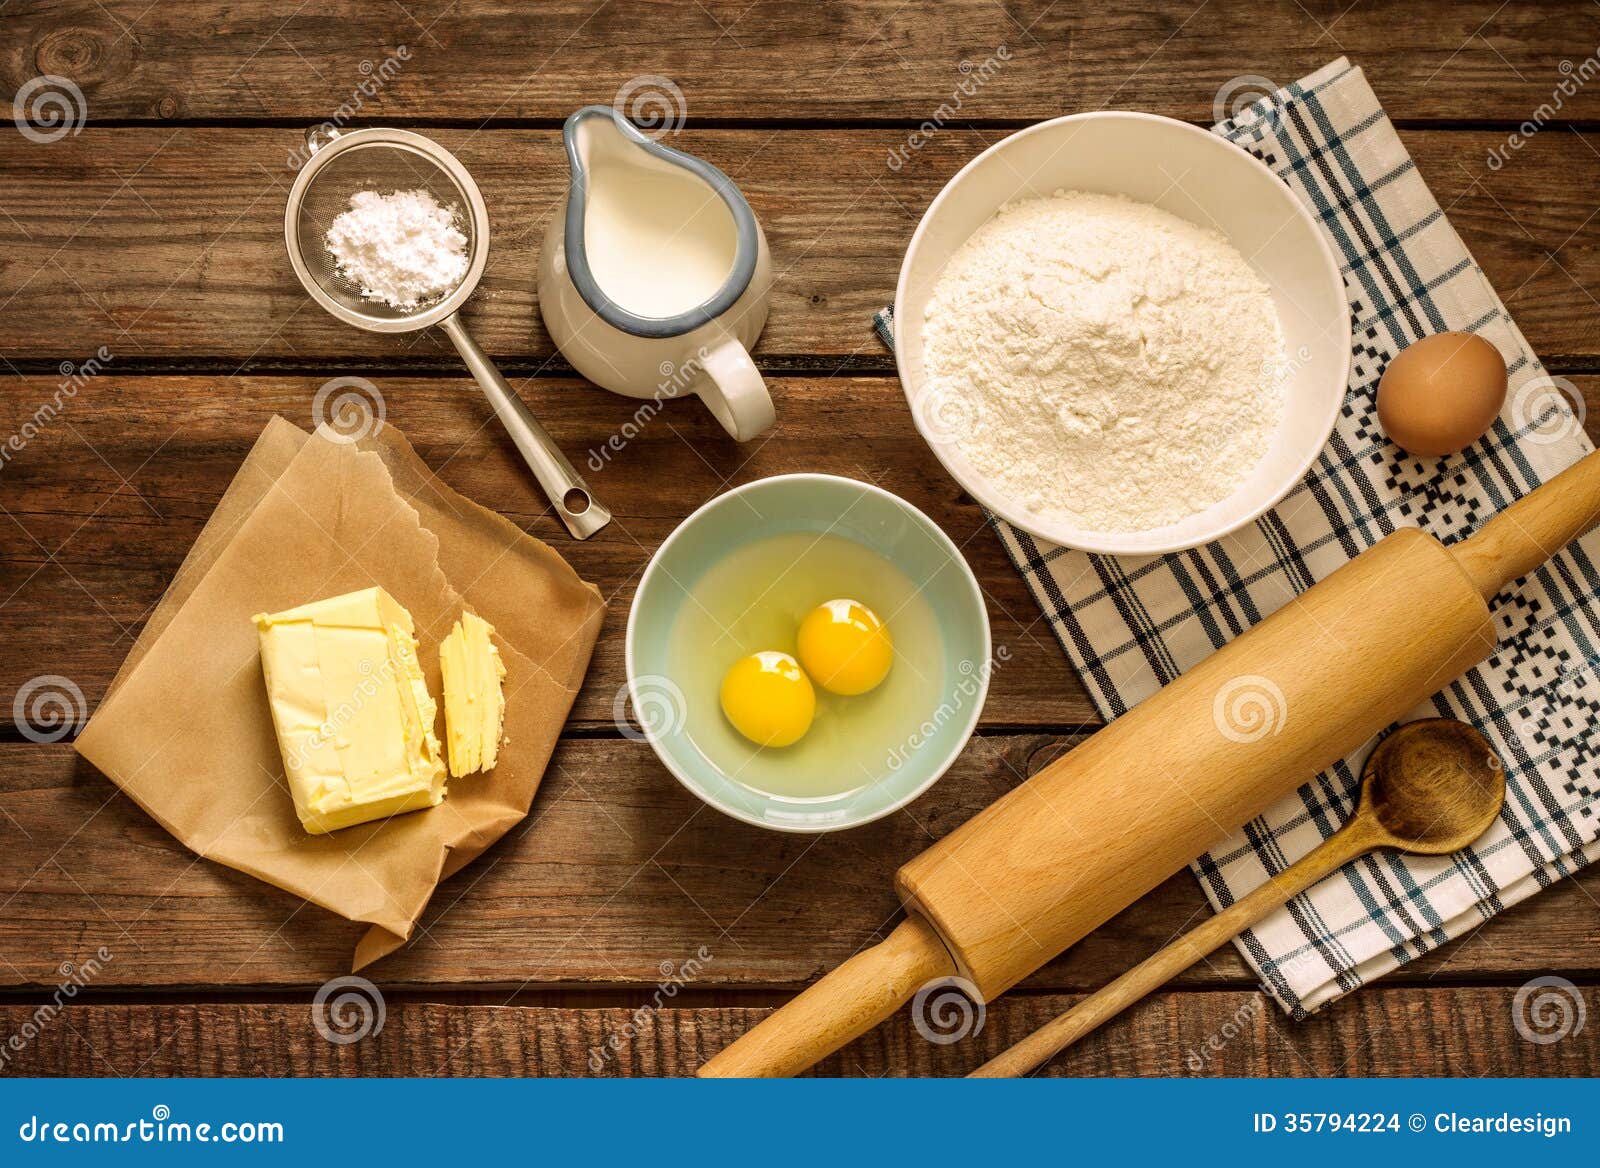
(339,166)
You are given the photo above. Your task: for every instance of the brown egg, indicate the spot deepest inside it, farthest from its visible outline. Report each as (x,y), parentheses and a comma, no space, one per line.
(1441,394)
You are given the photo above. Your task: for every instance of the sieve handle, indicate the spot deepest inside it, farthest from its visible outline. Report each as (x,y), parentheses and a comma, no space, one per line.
(564,486)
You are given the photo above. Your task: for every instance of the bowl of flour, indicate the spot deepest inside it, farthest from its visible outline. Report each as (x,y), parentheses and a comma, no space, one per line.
(1122,333)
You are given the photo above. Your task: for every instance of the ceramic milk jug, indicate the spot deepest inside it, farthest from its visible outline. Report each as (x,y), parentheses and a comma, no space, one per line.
(655,276)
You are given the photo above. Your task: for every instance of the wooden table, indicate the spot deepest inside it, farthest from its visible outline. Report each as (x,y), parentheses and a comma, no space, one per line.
(154,231)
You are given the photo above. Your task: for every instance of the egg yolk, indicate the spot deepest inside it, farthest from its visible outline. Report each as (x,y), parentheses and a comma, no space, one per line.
(845,647)
(769,699)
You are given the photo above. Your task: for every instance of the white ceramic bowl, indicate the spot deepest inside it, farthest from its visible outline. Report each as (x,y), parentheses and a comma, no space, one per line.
(1199,177)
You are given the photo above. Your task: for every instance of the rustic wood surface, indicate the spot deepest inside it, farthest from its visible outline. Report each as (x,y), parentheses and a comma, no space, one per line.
(617,870)
(877,59)
(174,241)
(1430,1031)
(89,556)
(155,233)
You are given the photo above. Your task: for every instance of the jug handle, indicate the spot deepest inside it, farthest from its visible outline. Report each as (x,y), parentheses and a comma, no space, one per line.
(733,389)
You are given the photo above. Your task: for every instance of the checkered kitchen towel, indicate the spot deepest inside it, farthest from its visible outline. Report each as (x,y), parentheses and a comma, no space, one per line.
(1131,625)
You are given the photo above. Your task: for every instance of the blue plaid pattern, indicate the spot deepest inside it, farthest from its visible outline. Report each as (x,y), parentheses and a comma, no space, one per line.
(1132,625)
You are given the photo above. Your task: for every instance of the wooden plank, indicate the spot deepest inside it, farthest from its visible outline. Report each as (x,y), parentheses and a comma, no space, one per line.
(99,509)
(168,243)
(617,871)
(862,59)
(1463,1031)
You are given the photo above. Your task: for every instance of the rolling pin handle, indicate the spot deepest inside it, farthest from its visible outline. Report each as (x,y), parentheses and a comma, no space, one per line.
(844,1005)
(1532,529)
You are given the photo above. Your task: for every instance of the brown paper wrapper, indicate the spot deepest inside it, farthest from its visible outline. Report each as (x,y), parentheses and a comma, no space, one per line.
(185,728)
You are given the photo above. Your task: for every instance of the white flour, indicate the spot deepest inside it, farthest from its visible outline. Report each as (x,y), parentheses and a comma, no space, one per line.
(402,248)
(1103,361)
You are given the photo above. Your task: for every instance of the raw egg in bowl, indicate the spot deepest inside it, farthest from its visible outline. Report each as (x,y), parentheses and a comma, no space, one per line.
(808,653)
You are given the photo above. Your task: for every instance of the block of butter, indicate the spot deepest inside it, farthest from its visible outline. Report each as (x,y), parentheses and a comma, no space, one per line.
(474,705)
(352,710)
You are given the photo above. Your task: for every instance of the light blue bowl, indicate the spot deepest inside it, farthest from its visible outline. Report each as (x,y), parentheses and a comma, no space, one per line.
(885,524)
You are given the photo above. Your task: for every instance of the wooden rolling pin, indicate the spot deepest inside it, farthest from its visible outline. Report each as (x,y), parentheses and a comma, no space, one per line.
(1097,829)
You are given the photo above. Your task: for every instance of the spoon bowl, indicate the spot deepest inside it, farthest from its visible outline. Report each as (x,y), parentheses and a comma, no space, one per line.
(1433,786)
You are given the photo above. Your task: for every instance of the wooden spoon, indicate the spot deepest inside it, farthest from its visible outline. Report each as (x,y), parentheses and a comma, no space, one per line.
(1430,788)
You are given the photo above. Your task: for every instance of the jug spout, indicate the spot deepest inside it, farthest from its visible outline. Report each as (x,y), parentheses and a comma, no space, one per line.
(593,134)
(657,241)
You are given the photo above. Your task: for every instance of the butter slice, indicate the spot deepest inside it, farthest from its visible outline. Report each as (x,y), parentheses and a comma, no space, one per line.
(352,710)
(474,705)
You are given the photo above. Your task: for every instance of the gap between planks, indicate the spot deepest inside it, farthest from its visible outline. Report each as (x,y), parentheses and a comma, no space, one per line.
(798,125)
(622,994)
